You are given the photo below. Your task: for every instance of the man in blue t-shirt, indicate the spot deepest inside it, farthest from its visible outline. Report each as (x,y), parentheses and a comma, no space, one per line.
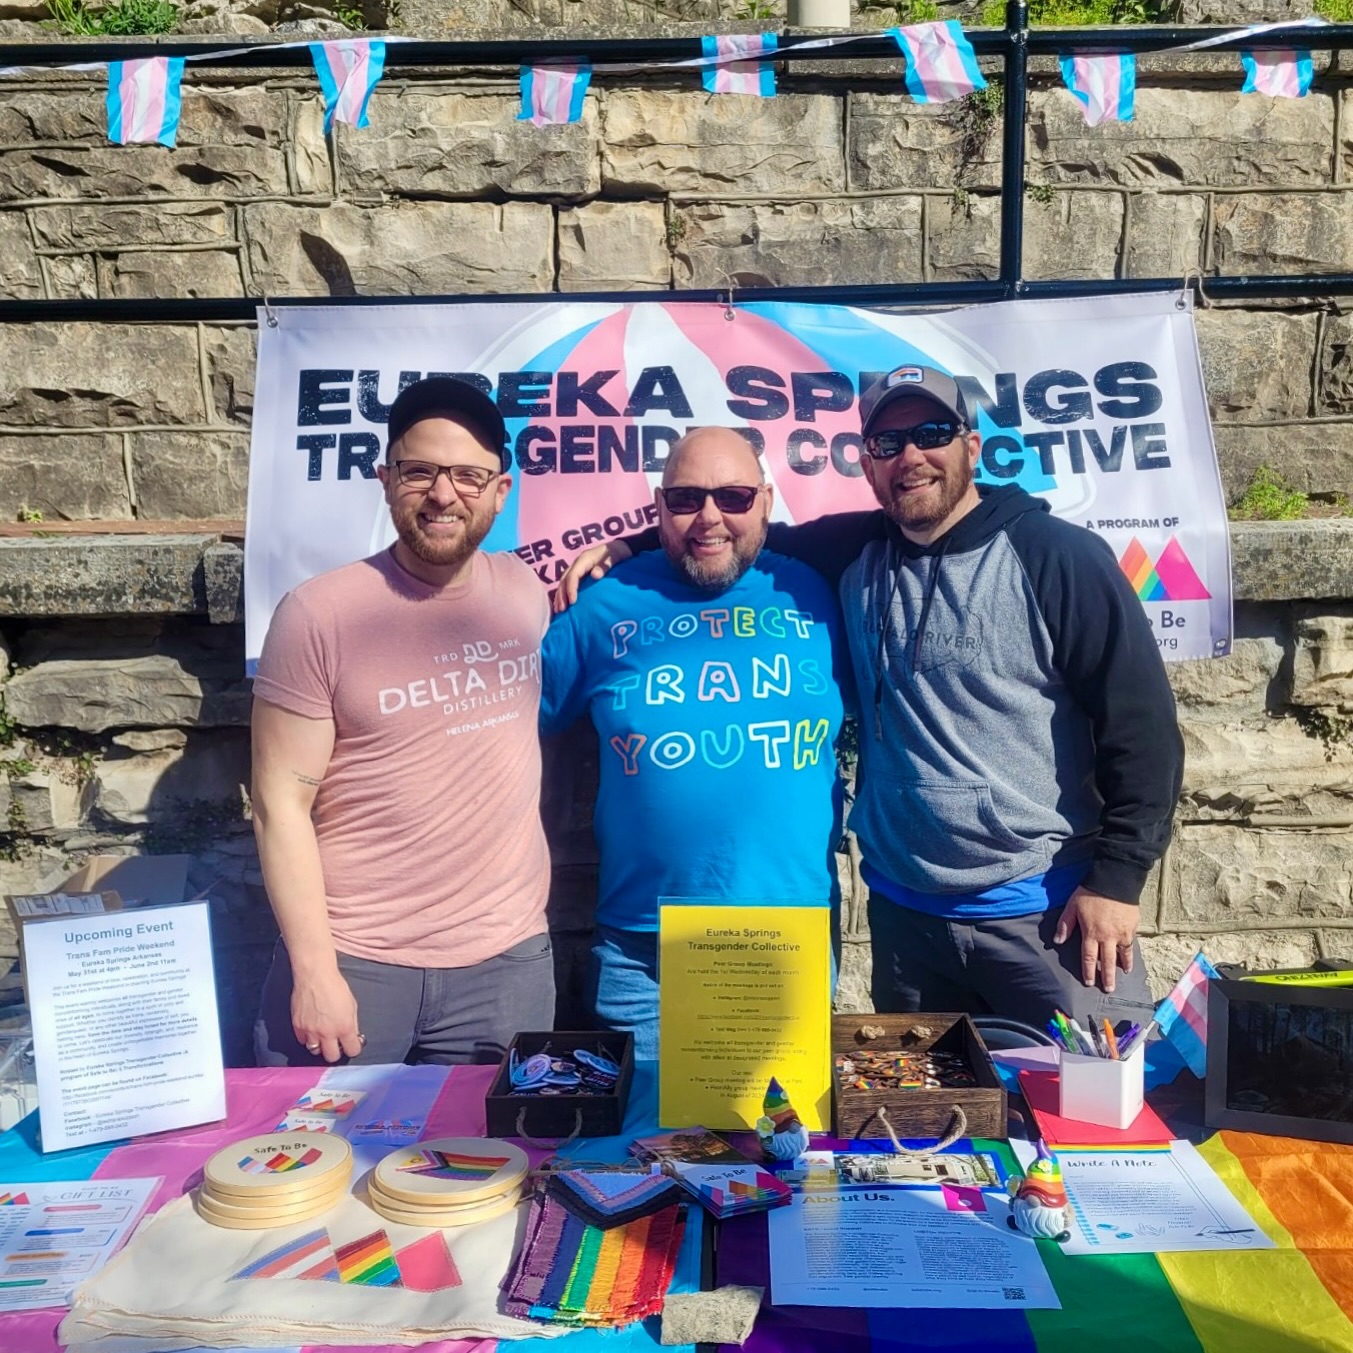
(709,673)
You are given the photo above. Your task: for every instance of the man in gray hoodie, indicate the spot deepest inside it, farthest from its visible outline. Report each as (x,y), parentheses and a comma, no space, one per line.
(1019,755)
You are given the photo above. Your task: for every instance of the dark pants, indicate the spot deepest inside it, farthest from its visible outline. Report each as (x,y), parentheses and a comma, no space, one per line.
(413,1015)
(1004,967)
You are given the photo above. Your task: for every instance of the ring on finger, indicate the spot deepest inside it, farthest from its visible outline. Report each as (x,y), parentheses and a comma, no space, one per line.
(312,1047)
(361,1038)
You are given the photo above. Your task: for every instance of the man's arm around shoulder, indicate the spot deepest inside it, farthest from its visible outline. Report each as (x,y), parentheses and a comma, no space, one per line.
(291,754)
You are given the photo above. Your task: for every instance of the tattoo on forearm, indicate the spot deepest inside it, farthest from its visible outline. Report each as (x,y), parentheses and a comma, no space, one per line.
(305,779)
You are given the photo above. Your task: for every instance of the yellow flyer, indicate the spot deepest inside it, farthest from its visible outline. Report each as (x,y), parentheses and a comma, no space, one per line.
(744,995)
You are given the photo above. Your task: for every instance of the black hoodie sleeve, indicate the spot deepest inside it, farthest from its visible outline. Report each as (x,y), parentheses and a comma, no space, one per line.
(829,544)
(1104,648)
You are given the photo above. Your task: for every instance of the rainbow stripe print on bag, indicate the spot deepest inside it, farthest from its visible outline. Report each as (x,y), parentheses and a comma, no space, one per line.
(454,1165)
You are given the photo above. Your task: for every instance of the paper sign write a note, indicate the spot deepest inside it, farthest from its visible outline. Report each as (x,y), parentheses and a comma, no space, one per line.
(125,1030)
(745,994)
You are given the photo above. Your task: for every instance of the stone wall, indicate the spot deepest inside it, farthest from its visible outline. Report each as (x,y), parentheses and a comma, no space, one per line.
(125,709)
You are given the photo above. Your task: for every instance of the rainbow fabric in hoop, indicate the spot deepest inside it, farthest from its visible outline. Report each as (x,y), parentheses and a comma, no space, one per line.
(279,1163)
(451,1165)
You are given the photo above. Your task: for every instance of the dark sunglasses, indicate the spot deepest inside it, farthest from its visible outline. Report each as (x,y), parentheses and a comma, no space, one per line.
(924,436)
(735,499)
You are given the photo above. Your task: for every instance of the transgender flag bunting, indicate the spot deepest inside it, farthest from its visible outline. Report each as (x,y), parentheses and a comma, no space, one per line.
(551,95)
(144,99)
(941,64)
(1105,86)
(1182,1015)
(739,77)
(1281,74)
(348,71)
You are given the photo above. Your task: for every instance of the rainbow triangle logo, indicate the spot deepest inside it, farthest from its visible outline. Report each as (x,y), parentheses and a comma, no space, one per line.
(13,1200)
(1170,578)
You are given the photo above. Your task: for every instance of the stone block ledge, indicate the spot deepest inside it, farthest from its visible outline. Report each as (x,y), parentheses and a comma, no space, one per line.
(203,573)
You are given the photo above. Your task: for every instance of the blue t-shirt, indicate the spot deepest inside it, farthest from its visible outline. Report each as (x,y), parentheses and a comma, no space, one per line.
(717,714)
(1023,897)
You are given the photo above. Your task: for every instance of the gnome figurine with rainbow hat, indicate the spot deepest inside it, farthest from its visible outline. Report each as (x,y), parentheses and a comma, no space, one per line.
(781,1134)
(1039,1204)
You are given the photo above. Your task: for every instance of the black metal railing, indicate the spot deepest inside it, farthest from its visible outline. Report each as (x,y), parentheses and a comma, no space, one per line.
(1013,45)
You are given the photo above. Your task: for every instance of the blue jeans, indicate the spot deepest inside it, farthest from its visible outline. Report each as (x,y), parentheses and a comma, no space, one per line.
(622,986)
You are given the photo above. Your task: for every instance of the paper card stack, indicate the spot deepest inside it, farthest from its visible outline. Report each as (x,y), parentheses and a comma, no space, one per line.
(731,1190)
(452,1181)
(277,1179)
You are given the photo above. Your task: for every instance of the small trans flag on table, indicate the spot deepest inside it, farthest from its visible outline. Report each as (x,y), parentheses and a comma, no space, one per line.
(552,95)
(348,71)
(1182,1015)
(1105,86)
(941,64)
(143,100)
(1279,74)
(739,77)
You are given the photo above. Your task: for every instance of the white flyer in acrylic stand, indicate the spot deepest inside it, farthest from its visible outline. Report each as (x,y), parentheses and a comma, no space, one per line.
(53,1236)
(935,1247)
(1152,1202)
(126,1036)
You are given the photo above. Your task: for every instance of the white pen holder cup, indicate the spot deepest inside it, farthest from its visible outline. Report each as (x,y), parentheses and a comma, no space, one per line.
(1101,1090)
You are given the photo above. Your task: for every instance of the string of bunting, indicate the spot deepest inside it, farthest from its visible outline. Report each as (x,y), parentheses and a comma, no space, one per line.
(940,65)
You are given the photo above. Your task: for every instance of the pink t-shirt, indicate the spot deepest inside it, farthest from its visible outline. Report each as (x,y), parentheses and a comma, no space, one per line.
(428,816)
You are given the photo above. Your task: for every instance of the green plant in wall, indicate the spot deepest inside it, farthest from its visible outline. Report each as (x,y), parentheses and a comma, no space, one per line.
(1269,497)
(123,18)
(977,115)
(1082,13)
(1336,11)
(754,11)
(350,16)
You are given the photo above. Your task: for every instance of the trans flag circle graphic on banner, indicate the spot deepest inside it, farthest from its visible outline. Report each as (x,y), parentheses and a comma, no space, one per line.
(1096,406)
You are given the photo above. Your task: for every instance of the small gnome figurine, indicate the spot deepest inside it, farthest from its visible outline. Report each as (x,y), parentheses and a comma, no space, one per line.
(1038,1201)
(781,1134)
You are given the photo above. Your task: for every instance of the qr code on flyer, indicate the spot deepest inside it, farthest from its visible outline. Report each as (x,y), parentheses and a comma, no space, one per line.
(1013,1293)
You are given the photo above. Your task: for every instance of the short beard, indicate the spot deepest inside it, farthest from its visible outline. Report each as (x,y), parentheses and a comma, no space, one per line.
(708,575)
(952,488)
(441,553)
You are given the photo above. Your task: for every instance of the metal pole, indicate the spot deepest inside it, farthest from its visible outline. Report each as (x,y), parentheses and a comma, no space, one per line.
(1012,146)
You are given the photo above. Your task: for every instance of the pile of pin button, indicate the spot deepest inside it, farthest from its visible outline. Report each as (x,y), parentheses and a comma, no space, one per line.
(582,1073)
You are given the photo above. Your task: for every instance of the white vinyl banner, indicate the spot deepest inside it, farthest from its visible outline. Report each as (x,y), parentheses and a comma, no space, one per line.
(1096,405)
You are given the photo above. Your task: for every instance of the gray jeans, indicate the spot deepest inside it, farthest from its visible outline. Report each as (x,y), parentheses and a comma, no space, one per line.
(413,1015)
(1008,966)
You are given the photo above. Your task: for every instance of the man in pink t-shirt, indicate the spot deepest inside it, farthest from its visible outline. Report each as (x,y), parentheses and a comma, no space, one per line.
(397,771)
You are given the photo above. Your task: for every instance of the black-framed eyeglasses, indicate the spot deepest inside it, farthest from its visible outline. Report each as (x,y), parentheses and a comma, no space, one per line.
(468,480)
(684,500)
(924,437)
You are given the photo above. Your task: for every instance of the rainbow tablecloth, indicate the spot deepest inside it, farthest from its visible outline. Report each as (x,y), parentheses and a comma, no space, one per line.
(256,1099)
(1295,1299)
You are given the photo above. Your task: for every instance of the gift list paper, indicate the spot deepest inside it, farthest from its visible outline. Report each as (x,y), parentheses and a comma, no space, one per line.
(54,1236)
(935,1247)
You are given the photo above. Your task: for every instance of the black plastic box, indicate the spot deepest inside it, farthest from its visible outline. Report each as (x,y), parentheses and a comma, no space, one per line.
(1280,1057)
(554,1116)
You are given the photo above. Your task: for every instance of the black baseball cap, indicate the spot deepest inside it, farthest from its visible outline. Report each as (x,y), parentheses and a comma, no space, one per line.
(445,394)
(903,381)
